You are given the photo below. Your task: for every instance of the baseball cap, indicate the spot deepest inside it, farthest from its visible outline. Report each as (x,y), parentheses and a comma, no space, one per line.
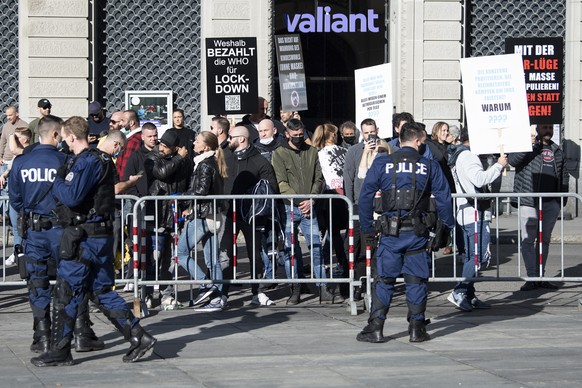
(94,108)
(44,103)
(170,139)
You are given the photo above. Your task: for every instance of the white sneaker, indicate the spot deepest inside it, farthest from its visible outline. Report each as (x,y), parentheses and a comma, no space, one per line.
(11,259)
(205,292)
(459,299)
(261,299)
(216,304)
(128,287)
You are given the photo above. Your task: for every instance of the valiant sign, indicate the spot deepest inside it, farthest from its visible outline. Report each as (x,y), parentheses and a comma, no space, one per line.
(325,21)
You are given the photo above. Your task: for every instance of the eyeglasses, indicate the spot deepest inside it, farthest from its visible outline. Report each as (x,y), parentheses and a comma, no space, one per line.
(230,137)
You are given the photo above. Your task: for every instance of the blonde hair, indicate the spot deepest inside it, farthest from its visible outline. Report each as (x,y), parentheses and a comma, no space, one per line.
(322,134)
(211,140)
(436,128)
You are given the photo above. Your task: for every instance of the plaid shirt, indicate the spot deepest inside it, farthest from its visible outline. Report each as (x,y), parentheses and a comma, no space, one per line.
(133,143)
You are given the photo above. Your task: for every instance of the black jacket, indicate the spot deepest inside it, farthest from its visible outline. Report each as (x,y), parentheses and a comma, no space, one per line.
(166,176)
(528,172)
(135,164)
(245,169)
(206,180)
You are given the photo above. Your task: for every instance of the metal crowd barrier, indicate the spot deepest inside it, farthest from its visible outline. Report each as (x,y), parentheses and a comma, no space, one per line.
(132,222)
(142,230)
(448,268)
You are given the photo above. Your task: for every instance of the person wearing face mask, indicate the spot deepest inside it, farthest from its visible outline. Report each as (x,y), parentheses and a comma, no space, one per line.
(269,139)
(246,167)
(470,177)
(406,181)
(349,134)
(543,170)
(298,171)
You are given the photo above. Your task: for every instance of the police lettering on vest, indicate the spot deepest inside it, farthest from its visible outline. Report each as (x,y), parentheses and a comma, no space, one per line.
(408,197)
(38,175)
(406,167)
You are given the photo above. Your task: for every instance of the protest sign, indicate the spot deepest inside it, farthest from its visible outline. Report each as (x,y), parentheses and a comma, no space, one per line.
(543,60)
(291,73)
(374,97)
(496,104)
(231,75)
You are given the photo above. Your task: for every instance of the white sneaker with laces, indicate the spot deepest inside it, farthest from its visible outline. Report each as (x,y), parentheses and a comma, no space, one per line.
(216,304)
(261,299)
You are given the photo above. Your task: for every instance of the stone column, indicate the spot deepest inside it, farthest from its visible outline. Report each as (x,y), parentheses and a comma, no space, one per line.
(53,55)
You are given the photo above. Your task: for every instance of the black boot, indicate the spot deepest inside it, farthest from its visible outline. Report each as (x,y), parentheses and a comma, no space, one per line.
(325,295)
(85,338)
(42,335)
(140,342)
(60,350)
(295,297)
(417,330)
(373,332)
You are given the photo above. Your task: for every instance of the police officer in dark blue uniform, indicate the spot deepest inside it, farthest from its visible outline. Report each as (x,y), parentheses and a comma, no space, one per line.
(406,180)
(32,175)
(85,190)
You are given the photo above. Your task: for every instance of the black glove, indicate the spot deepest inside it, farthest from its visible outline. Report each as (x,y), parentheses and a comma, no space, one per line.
(62,171)
(439,237)
(369,239)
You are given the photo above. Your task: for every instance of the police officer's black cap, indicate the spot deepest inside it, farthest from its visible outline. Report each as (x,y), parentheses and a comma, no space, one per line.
(44,103)
(170,139)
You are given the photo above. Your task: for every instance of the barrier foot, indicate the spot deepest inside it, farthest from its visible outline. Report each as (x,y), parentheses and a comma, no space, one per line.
(352,307)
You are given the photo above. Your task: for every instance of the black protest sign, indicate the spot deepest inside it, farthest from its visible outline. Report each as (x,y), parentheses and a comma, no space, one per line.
(543,60)
(231,74)
(291,73)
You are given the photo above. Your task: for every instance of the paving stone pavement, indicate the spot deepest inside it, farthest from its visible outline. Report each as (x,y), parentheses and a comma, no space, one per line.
(527,339)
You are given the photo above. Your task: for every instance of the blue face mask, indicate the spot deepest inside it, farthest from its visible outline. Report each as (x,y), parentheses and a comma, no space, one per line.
(115,154)
(60,145)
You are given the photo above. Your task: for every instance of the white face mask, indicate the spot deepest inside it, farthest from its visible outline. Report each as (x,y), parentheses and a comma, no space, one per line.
(266,141)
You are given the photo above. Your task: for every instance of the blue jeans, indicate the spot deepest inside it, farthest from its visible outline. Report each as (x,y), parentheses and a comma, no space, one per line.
(310,231)
(196,231)
(483,237)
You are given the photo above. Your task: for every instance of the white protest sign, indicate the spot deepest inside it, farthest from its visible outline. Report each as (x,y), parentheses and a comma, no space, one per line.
(374,97)
(496,104)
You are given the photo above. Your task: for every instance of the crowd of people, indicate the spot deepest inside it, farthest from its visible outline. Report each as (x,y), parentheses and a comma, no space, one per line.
(62,178)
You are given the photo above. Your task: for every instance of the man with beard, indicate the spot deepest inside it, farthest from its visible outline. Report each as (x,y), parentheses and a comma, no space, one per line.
(246,167)
(543,170)
(130,128)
